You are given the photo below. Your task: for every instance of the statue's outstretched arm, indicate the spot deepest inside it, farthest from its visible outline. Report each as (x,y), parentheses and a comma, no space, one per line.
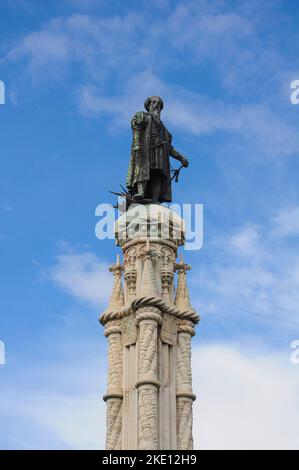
(173,152)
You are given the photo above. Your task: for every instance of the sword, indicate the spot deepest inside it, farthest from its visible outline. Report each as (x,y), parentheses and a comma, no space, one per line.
(160,143)
(176,173)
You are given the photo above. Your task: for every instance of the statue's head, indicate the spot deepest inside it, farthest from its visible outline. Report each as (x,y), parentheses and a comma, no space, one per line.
(154,104)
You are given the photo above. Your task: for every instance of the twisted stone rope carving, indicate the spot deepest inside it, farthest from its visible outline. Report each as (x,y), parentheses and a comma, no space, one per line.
(184,376)
(184,393)
(148,384)
(114,424)
(148,419)
(115,362)
(148,351)
(184,424)
(186,329)
(113,314)
(114,393)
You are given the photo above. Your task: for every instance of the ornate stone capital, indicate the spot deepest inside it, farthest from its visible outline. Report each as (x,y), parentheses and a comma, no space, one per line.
(111,327)
(112,394)
(184,394)
(148,381)
(186,326)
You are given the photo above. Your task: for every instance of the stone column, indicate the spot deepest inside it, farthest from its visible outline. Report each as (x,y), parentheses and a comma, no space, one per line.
(148,319)
(129,339)
(114,394)
(184,392)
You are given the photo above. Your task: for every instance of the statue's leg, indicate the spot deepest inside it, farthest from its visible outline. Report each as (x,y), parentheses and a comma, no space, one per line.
(156,184)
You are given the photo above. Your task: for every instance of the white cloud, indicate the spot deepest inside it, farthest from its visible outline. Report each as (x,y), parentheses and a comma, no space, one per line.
(98,45)
(245,242)
(82,275)
(184,110)
(58,404)
(63,421)
(286,222)
(194,29)
(253,129)
(53,399)
(114,49)
(252,275)
(245,401)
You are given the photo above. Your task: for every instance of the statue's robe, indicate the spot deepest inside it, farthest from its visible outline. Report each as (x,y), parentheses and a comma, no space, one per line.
(147,135)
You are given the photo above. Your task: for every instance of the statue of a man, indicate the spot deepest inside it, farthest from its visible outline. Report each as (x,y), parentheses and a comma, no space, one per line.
(149,170)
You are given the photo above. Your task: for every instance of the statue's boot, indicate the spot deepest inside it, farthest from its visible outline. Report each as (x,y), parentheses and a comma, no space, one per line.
(141,190)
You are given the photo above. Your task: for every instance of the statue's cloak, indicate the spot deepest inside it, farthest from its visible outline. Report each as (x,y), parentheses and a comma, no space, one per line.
(154,142)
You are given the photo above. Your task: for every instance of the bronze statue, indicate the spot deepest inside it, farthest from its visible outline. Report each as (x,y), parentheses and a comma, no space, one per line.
(149,175)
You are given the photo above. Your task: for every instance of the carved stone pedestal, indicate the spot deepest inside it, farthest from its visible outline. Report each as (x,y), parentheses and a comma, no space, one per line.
(149,393)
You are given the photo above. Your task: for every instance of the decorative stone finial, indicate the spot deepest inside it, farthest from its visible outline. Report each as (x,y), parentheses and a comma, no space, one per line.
(182,298)
(117,295)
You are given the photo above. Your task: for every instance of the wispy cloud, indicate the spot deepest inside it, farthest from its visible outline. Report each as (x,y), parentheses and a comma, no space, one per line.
(83,276)
(254,273)
(192,31)
(97,45)
(254,129)
(245,242)
(114,50)
(286,222)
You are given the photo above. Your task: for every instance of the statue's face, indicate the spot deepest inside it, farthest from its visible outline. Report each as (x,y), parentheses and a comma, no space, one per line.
(155,105)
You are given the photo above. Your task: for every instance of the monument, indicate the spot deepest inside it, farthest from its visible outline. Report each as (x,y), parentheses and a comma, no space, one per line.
(149,322)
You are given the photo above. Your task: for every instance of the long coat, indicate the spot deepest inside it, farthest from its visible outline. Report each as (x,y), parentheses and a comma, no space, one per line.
(153,141)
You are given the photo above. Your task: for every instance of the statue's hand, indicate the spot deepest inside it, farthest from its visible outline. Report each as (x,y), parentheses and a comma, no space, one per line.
(185,162)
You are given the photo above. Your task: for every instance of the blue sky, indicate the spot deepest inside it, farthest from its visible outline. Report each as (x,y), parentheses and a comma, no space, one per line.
(74,74)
